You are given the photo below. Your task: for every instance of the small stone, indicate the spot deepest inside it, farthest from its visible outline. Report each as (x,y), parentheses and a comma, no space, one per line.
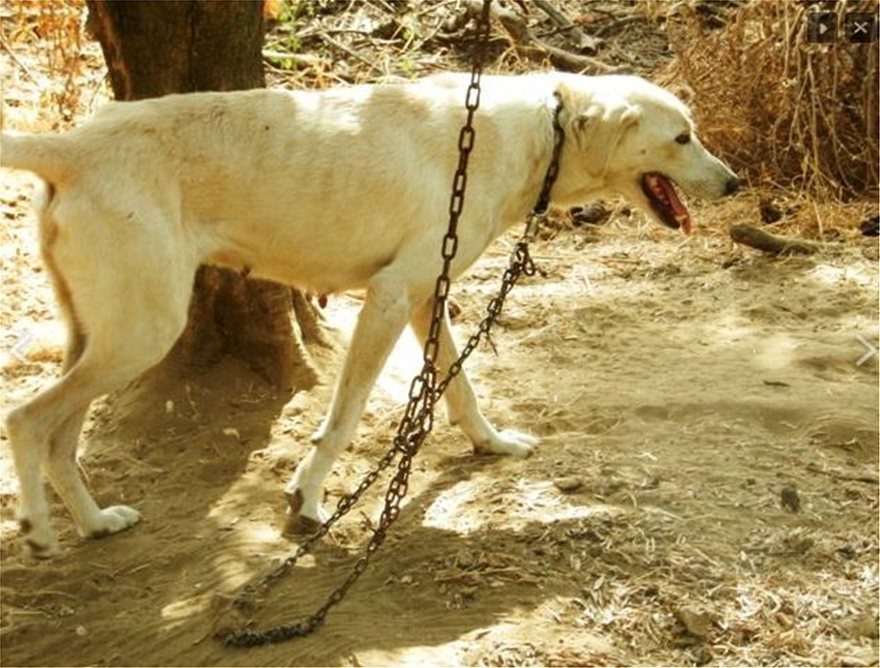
(568,484)
(594,213)
(695,621)
(81,631)
(406,580)
(466,560)
(789,498)
(770,211)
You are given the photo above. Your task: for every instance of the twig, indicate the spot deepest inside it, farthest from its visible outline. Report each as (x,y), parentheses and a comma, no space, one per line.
(388,8)
(305,59)
(15,60)
(431,8)
(351,52)
(611,26)
(866,478)
(770,243)
(581,39)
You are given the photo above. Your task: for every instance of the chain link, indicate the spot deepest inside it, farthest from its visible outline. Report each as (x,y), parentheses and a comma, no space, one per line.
(425,390)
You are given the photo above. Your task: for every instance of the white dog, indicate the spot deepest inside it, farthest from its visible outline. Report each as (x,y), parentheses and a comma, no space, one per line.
(328,191)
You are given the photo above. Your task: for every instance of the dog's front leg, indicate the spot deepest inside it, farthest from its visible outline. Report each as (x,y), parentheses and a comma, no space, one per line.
(461,401)
(382,318)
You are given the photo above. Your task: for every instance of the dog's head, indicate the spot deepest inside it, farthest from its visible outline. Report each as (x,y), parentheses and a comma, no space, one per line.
(632,138)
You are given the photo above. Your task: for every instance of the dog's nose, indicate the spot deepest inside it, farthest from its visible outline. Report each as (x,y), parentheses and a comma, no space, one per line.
(731,186)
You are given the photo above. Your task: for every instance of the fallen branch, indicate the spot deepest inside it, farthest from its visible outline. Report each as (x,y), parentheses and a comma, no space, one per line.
(299,59)
(868,478)
(581,39)
(749,235)
(535,48)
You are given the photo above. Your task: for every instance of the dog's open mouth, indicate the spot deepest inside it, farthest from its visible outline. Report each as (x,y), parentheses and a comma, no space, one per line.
(665,202)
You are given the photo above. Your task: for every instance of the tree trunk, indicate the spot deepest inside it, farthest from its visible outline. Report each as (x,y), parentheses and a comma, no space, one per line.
(157,47)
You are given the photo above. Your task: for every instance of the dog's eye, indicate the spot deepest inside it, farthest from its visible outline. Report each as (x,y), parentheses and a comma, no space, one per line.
(683,138)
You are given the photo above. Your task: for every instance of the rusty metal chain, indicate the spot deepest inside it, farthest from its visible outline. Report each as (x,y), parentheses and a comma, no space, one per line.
(520,263)
(418,417)
(425,390)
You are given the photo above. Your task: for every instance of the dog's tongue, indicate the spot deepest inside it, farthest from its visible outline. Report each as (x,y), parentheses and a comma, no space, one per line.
(678,209)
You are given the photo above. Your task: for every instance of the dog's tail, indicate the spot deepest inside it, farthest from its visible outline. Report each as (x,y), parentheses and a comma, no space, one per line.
(45,155)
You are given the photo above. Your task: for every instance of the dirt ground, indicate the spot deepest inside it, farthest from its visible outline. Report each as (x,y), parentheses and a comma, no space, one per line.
(705,490)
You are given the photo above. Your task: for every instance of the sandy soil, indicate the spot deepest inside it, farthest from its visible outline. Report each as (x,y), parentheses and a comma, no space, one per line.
(705,490)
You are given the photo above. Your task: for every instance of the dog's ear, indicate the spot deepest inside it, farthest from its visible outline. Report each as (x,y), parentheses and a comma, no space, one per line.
(599,129)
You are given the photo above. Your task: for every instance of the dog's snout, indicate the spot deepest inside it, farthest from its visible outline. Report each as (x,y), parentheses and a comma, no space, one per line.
(731,186)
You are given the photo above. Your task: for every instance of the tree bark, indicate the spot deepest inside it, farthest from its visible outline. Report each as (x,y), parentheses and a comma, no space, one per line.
(157,47)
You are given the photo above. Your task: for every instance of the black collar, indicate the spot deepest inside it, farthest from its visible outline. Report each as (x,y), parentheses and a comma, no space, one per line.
(543,202)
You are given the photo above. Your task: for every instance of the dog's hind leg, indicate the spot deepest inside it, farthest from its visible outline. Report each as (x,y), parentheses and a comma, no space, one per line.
(61,458)
(49,424)
(129,293)
(461,402)
(381,320)
(57,410)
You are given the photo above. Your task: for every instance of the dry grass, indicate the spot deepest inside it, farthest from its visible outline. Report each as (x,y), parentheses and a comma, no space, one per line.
(55,28)
(53,74)
(781,110)
(784,594)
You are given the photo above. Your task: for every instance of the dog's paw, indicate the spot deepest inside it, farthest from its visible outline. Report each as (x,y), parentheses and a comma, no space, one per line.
(302,517)
(110,520)
(40,541)
(507,442)
(300,525)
